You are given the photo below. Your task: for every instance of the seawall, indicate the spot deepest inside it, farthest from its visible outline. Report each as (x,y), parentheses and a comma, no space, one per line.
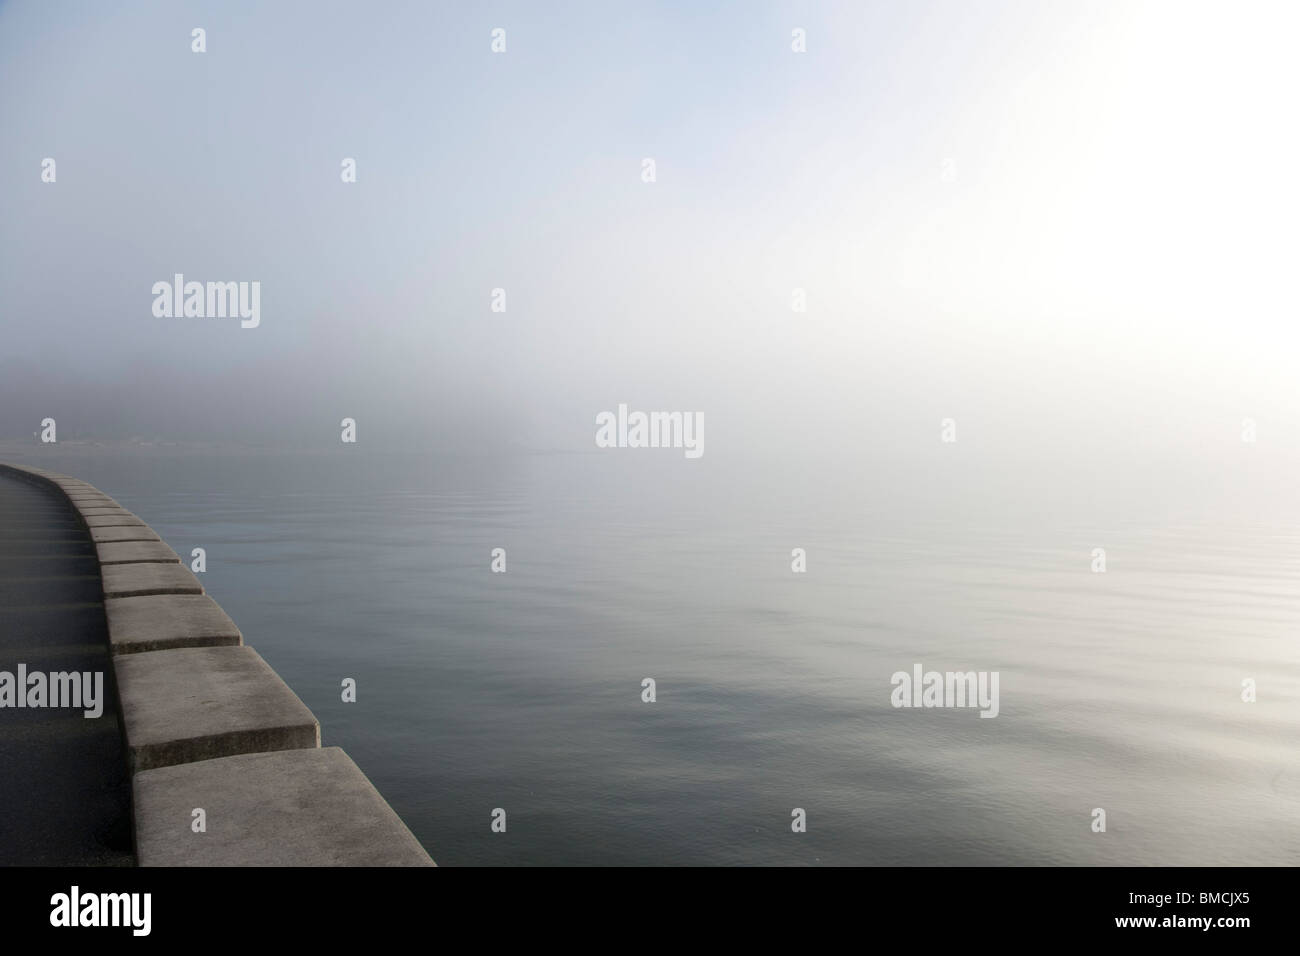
(226,762)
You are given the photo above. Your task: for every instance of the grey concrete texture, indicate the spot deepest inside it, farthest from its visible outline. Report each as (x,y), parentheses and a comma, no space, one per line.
(200,703)
(139,580)
(136,552)
(206,721)
(292,808)
(82,501)
(139,532)
(126,519)
(168,621)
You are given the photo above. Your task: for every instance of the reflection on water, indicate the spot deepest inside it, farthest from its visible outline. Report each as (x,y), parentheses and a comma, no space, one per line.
(522,690)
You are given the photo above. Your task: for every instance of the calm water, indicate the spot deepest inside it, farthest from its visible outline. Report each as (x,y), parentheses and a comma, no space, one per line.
(522,690)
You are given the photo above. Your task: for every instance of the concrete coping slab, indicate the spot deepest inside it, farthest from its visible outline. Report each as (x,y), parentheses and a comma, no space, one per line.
(200,703)
(26,472)
(124,520)
(292,808)
(139,580)
(208,723)
(166,621)
(125,533)
(136,552)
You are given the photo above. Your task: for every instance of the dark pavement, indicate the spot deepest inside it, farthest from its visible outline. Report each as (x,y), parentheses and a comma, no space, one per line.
(64,788)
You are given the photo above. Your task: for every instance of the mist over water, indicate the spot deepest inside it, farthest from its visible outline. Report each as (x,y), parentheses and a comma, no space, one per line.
(522,690)
(1064,228)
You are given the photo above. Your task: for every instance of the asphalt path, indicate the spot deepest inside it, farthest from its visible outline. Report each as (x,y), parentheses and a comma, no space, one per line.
(64,788)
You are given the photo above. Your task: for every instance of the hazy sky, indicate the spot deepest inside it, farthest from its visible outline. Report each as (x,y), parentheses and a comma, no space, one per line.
(1053,222)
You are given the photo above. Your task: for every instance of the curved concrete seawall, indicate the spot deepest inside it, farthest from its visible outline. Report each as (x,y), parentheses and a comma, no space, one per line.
(209,725)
